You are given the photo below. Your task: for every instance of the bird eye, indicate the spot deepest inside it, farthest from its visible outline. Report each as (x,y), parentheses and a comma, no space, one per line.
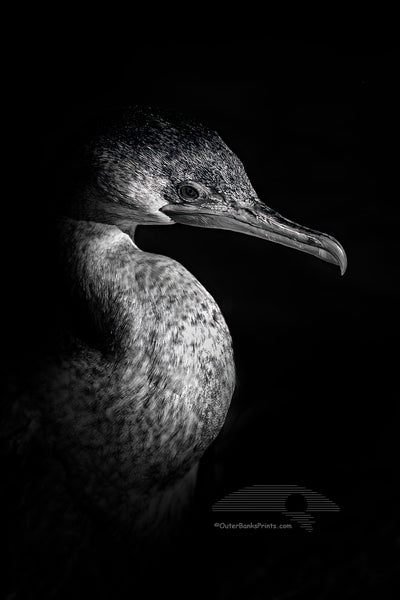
(188,192)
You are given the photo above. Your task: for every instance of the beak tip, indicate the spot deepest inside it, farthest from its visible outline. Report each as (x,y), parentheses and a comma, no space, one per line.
(332,251)
(342,260)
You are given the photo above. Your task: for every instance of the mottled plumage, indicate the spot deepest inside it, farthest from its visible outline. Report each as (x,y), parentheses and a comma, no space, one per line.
(135,380)
(133,413)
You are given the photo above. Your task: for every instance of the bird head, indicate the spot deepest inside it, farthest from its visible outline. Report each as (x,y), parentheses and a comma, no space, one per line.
(147,168)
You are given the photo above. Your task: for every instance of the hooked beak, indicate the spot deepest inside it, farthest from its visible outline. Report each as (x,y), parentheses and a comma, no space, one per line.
(260,221)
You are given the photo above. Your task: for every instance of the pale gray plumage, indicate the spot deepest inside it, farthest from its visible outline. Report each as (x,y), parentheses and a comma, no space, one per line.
(140,376)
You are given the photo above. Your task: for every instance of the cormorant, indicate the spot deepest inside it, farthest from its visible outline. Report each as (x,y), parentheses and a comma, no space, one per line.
(139,374)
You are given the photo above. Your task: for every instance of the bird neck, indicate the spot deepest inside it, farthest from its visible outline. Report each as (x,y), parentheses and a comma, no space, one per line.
(149,372)
(93,209)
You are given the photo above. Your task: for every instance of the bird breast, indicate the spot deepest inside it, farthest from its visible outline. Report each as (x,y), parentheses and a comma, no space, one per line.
(134,407)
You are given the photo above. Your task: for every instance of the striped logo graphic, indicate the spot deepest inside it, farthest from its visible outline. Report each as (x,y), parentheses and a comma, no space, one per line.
(296,502)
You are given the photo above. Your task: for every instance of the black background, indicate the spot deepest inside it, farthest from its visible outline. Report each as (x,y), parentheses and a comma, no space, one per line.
(314,120)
